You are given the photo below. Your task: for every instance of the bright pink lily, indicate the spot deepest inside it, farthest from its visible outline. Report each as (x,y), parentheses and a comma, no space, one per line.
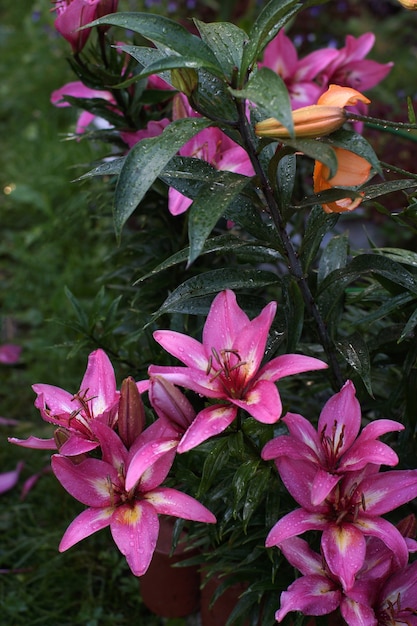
(298,74)
(335,448)
(210,145)
(122,490)
(349,68)
(227,366)
(74,14)
(73,414)
(350,513)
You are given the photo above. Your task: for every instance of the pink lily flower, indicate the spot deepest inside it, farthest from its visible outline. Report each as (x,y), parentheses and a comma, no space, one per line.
(226,366)
(74,414)
(122,490)
(74,14)
(77,89)
(8,480)
(397,600)
(153,129)
(298,74)
(335,448)
(350,513)
(9,353)
(210,145)
(349,68)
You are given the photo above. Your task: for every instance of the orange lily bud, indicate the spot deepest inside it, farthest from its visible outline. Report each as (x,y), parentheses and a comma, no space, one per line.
(318,119)
(411,5)
(312,121)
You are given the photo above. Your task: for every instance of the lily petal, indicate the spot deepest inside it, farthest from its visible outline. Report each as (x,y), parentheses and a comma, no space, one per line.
(84,525)
(208,423)
(169,501)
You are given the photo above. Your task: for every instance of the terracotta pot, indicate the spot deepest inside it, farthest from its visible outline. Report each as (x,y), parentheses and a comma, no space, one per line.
(170,591)
(219,612)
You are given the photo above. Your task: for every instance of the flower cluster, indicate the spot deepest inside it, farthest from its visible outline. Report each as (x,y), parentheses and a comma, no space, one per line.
(334,474)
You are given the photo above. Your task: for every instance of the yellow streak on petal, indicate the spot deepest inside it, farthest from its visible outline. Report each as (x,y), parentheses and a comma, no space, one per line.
(129,515)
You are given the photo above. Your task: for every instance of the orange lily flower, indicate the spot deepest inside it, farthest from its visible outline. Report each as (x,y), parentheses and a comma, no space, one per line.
(352,170)
(315,120)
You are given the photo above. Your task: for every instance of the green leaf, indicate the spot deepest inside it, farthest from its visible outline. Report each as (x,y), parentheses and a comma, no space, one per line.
(78,310)
(319,224)
(317,150)
(241,480)
(111,168)
(271,19)
(214,462)
(145,161)
(209,205)
(399,254)
(334,256)
(226,42)
(333,286)
(408,329)
(374,191)
(210,283)
(258,486)
(329,195)
(355,352)
(268,91)
(168,63)
(162,31)
(348,140)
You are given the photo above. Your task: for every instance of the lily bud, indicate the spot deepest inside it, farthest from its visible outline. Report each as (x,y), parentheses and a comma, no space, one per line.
(315,120)
(131,418)
(408,526)
(185,80)
(169,402)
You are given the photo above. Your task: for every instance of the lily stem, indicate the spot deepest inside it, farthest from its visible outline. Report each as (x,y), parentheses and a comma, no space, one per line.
(294,264)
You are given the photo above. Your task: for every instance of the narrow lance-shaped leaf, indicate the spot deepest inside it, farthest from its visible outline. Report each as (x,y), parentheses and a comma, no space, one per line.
(271,19)
(181,299)
(268,91)
(145,162)
(162,31)
(355,352)
(226,41)
(209,205)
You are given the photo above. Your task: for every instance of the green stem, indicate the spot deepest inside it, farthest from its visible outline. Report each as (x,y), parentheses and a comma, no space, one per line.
(293,261)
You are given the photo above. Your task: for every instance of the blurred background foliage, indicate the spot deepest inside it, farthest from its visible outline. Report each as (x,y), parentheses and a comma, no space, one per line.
(59,257)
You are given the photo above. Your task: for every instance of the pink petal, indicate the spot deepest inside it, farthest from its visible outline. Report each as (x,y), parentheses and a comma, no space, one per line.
(298,476)
(310,595)
(191,378)
(99,382)
(113,450)
(289,364)
(340,418)
(387,533)
(304,433)
(281,56)
(402,584)
(208,423)
(9,479)
(363,452)
(344,549)
(77,89)
(322,485)
(224,322)
(170,403)
(144,458)
(251,340)
(168,501)
(75,445)
(135,531)
(177,202)
(58,400)
(236,159)
(388,490)
(285,445)
(313,64)
(34,442)
(262,401)
(298,552)
(357,613)
(84,525)
(188,350)
(295,523)
(89,481)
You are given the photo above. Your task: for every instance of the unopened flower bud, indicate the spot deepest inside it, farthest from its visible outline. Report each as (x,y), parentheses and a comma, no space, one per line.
(311,121)
(131,416)
(169,402)
(411,5)
(408,526)
(185,80)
